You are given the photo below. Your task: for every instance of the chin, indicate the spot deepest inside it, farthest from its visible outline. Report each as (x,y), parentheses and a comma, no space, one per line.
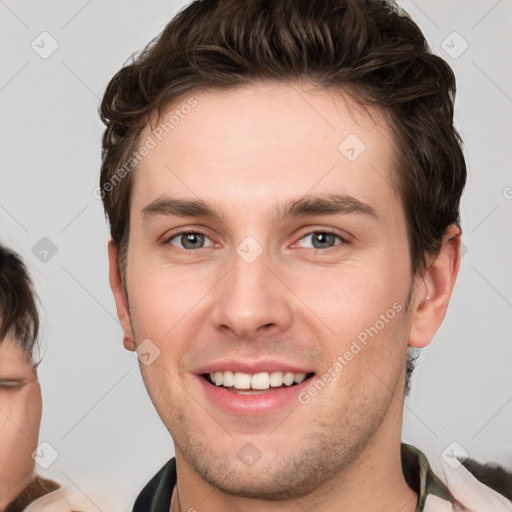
(257,483)
(284,476)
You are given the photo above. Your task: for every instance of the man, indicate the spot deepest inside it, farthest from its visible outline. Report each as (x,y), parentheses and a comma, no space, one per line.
(282,181)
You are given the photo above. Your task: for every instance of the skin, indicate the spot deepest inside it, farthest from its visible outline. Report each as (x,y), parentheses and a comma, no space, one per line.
(245,151)
(20,417)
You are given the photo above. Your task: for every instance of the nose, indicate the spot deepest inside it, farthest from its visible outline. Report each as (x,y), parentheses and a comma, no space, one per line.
(251,300)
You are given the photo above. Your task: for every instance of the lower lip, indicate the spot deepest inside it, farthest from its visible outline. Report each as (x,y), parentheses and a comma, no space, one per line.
(262,403)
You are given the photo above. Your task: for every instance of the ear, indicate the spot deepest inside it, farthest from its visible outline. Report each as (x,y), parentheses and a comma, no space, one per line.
(434,289)
(119,297)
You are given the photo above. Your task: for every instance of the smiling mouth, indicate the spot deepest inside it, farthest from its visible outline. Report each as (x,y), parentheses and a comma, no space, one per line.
(254,384)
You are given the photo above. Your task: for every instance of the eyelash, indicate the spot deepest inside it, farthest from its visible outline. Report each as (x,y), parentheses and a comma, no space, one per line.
(316,231)
(10,384)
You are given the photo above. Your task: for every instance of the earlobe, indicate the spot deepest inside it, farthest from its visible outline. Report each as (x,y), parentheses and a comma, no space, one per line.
(128,344)
(433,293)
(119,297)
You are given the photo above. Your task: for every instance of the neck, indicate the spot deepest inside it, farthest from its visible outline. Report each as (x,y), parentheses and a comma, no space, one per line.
(373,480)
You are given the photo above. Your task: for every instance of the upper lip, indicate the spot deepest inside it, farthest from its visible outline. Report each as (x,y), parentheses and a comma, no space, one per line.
(251,367)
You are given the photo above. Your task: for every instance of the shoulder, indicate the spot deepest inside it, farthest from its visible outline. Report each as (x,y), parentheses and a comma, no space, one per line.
(64,499)
(156,494)
(492,475)
(37,488)
(451,489)
(70,498)
(473,493)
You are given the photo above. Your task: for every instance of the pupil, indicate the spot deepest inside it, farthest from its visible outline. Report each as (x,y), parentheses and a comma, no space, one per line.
(324,240)
(190,240)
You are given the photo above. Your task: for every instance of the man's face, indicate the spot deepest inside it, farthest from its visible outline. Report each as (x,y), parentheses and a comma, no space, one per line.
(20,416)
(263,289)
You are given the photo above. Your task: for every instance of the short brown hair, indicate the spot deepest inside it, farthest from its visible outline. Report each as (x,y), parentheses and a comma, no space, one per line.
(18,302)
(367,48)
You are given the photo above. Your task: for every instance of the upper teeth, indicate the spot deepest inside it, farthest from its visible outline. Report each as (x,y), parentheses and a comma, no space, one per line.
(263,380)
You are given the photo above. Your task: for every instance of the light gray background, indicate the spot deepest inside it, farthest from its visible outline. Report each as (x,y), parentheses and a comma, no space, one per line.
(97,415)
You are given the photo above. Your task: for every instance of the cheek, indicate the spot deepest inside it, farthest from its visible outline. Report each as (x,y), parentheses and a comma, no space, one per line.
(363,327)
(34,408)
(23,407)
(156,304)
(162,296)
(354,296)
(19,428)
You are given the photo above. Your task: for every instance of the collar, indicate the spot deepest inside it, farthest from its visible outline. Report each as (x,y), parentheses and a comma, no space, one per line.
(420,477)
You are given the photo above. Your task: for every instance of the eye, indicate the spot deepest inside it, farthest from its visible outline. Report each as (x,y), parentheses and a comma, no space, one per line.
(10,383)
(190,240)
(321,240)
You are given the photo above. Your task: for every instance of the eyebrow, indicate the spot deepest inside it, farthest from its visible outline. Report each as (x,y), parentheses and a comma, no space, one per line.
(329,204)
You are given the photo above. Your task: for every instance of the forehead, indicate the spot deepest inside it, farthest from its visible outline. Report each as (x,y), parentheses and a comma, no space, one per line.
(12,356)
(266,140)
